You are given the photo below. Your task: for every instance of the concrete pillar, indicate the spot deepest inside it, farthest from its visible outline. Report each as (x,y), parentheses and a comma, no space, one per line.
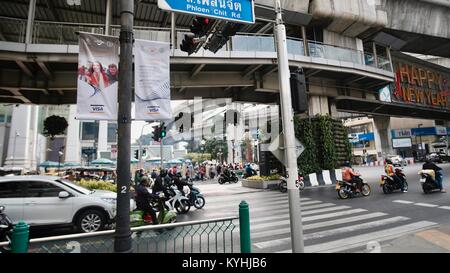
(318,105)
(30,21)
(388,52)
(108,17)
(102,143)
(173,33)
(305,41)
(73,149)
(383,138)
(333,108)
(21,144)
(375,55)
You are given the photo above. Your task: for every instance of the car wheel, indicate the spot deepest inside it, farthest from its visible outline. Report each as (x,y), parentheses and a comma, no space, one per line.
(91,221)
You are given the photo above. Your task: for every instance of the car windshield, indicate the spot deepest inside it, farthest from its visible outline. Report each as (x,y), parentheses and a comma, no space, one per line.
(74,186)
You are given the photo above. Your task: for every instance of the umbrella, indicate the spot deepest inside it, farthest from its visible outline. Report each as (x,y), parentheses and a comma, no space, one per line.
(134,160)
(49,164)
(102,161)
(72,164)
(175,161)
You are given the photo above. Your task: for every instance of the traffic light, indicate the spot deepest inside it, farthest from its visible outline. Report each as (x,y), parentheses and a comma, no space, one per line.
(298,91)
(189,43)
(144,152)
(162,133)
(156,133)
(200,26)
(136,154)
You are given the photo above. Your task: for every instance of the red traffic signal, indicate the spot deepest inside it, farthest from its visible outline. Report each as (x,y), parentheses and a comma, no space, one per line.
(200,26)
(188,44)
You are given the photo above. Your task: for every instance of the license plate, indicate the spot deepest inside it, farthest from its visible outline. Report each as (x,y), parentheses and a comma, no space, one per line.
(422,180)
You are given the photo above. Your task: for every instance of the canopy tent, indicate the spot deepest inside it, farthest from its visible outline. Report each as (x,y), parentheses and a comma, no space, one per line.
(102,161)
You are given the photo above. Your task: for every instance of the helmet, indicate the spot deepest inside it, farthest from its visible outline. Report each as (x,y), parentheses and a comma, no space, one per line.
(388,161)
(347,164)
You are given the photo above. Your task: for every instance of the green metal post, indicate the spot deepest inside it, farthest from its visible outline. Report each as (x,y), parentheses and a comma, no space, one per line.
(19,238)
(244,227)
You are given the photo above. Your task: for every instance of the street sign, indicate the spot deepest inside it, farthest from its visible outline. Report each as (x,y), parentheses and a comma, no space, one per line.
(241,11)
(276,147)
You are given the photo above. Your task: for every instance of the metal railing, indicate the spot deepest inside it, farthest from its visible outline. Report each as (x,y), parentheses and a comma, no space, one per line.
(65,33)
(205,236)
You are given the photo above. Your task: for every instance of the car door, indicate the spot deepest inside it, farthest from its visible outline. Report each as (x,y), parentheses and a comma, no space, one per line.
(12,194)
(42,205)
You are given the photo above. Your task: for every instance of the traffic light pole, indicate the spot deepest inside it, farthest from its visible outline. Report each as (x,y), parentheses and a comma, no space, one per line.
(122,239)
(289,134)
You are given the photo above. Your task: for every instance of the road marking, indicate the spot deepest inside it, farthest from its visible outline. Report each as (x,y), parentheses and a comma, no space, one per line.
(361,240)
(425,205)
(331,232)
(402,202)
(280,231)
(444,207)
(324,210)
(436,237)
(332,215)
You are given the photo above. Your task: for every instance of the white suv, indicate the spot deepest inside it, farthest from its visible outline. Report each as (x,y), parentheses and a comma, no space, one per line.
(49,200)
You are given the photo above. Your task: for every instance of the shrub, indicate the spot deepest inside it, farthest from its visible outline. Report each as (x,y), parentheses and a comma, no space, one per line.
(264,178)
(97,185)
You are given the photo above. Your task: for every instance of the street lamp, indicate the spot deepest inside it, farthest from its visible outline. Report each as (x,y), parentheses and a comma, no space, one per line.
(202,148)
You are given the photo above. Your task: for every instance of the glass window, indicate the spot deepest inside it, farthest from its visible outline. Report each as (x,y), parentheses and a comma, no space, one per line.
(8,118)
(2,118)
(89,131)
(11,190)
(112,132)
(42,189)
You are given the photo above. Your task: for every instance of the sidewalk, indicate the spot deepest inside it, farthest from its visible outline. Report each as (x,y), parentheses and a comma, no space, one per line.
(428,241)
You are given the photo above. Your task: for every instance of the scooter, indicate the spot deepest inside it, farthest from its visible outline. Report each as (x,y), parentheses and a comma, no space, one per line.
(6,227)
(389,185)
(164,216)
(426,180)
(178,201)
(346,189)
(195,197)
(231,179)
(299,183)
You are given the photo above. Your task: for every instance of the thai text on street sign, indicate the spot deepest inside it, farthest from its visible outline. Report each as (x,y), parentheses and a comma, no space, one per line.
(241,11)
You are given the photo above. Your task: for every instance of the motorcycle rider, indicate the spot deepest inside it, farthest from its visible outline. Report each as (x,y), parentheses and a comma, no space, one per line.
(429,165)
(249,170)
(143,197)
(159,184)
(349,175)
(179,182)
(389,170)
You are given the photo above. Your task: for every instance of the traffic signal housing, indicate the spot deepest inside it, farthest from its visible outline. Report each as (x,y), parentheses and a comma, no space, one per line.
(200,26)
(298,91)
(156,133)
(136,154)
(188,44)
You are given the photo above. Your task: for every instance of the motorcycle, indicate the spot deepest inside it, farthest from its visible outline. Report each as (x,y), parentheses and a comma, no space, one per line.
(164,216)
(346,189)
(427,181)
(299,183)
(177,201)
(196,199)
(231,179)
(6,227)
(389,185)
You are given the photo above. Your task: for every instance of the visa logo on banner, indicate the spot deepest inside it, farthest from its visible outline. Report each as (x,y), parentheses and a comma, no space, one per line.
(152,109)
(97,108)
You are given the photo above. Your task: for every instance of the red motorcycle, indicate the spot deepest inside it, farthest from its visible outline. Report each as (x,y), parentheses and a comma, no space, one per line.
(389,185)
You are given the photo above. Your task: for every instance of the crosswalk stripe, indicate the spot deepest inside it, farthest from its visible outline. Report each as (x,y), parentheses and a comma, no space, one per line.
(425,205)
(331,215)
(444,207)
(283,210)
(256,235)
(402,202)
(324,210)
(326,233)
(361,240)
(248,200)
(259,204)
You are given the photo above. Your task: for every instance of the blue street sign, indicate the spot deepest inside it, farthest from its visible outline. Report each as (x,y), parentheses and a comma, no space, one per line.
(241,11)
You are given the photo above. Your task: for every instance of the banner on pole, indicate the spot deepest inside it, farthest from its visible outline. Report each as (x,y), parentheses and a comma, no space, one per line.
(98,75)
(152,80)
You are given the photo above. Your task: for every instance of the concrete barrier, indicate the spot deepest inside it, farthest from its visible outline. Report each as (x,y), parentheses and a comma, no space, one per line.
(323,178)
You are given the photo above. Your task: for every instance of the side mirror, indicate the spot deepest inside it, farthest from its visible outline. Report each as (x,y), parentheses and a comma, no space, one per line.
(63,195)
(2,208)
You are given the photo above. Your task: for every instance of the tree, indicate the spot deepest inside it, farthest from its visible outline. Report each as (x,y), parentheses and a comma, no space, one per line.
(215,146)
(54,125)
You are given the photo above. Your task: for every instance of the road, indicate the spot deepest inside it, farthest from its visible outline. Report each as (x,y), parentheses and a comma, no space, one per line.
(330,224)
